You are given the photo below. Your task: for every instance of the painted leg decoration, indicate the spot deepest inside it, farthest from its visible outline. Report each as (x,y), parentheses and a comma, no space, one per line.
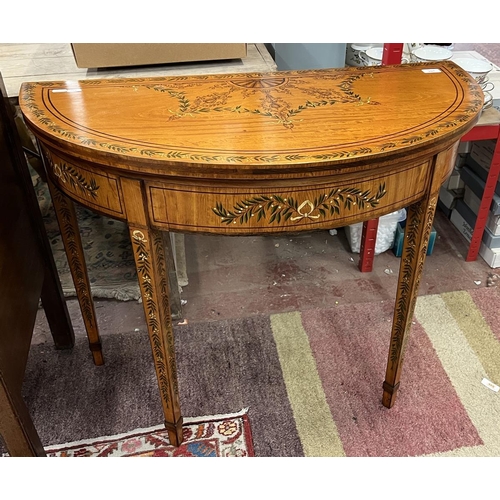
(68,224)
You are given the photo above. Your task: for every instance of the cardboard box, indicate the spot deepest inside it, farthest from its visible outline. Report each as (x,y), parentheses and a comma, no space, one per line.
(447,211)
(449,197)
(461,160)
(481,172)
(477,186)
(482,152)
(474,203)
(490,255)
(105,55)
(461,224)
(464,219)
(454,181)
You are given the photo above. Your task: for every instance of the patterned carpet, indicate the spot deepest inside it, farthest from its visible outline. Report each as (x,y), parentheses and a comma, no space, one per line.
(210,436)
(107,248)
(312,381)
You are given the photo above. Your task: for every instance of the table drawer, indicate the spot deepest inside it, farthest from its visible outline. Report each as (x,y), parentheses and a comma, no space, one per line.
(85,184)
(246,210)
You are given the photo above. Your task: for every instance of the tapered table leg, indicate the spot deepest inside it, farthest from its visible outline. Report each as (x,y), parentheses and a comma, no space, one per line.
(70,233)
(416,240)
(152,271)
(418,229)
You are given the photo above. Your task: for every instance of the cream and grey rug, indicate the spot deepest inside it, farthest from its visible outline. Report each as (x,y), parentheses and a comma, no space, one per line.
(312,380)
(107,247)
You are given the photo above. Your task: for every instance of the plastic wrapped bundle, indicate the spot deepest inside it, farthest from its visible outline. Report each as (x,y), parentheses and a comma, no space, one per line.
(385,233)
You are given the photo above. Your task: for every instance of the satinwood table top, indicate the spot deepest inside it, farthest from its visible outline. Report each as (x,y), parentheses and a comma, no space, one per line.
(255,122)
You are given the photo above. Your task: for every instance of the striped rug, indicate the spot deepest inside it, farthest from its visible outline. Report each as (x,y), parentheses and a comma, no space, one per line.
(312,381)
(442,407)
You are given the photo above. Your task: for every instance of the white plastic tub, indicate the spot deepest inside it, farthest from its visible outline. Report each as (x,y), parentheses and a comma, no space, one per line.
(386,231)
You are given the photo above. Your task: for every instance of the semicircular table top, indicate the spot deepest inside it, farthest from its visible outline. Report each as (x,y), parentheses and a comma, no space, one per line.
(256,121)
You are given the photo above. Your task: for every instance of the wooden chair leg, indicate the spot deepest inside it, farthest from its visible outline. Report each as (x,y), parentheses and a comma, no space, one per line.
(55,308)
(16,426)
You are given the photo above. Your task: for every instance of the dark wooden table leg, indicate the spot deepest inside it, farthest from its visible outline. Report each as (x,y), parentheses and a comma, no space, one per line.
(56,311)
(70,233)
(149,253)
(52,295)
(416,240)
(16,426)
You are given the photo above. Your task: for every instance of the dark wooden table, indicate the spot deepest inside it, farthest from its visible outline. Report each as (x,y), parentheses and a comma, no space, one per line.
(27,274)
(247,154)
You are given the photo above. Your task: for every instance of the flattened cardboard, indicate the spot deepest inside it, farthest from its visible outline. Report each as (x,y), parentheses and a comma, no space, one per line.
(104,55)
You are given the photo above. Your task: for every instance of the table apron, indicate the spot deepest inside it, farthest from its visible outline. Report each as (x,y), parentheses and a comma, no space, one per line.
(86,184)
(243,207)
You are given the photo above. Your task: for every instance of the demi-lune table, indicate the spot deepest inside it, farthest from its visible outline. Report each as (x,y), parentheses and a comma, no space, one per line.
(247,154)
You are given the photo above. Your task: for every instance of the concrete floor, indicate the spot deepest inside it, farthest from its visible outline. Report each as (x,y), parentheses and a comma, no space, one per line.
(231,277)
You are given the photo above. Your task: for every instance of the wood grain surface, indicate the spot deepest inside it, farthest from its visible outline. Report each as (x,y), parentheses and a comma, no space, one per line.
(254,121)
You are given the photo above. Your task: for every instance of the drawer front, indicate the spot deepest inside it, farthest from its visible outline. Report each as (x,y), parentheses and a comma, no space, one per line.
(85,184)
(246,210)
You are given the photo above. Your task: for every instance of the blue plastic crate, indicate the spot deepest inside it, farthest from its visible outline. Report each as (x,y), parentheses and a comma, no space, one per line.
(398,240)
